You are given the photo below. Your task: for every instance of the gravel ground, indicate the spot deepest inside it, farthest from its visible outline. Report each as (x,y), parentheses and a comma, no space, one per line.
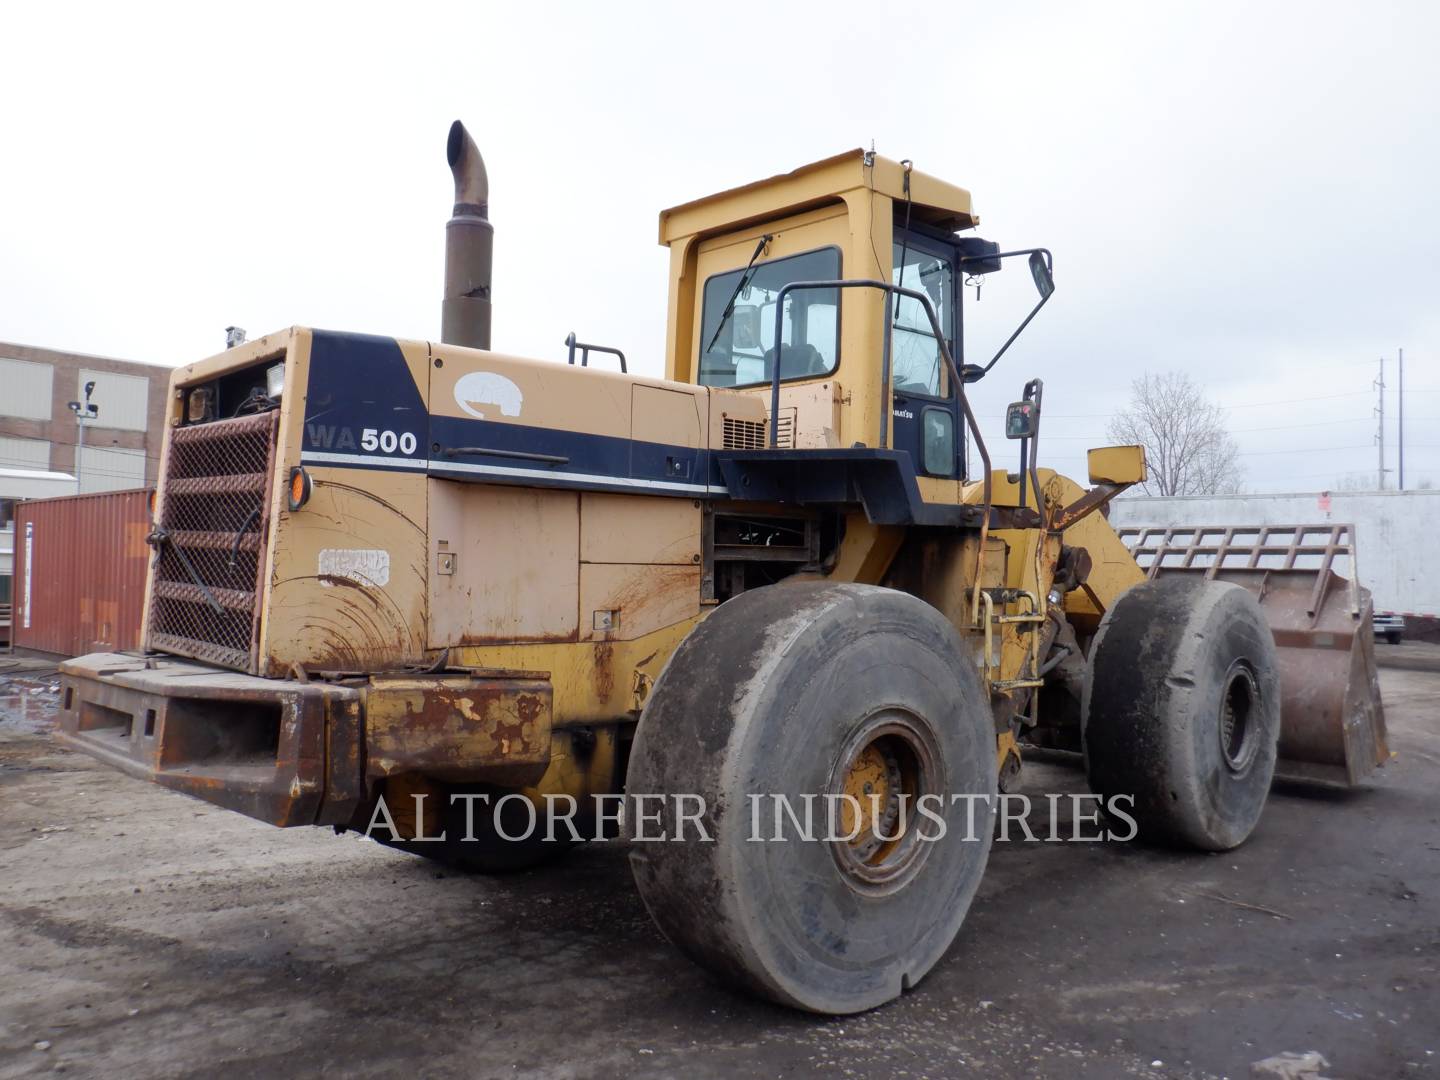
(146,934)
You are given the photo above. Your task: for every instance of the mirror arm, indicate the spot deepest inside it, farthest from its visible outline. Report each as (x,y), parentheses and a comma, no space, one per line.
(1049,265)
(1043,252)
(1011,339)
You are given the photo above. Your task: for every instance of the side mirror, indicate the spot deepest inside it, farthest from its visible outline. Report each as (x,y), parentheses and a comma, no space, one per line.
(1020,420)
(1040,271)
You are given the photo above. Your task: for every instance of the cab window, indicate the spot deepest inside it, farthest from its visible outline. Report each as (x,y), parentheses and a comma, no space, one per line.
(738,349)
(917,366)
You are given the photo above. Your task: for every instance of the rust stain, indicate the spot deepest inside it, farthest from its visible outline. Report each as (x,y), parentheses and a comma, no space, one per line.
(604,670)
(458,728)
(529,706)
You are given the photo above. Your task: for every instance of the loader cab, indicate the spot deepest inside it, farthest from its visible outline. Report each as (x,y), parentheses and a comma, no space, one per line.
(855,216)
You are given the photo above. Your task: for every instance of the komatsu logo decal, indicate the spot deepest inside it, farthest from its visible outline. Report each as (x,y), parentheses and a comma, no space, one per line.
(487,388)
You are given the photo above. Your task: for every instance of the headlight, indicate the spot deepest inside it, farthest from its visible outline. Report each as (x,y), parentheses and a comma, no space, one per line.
(275,380)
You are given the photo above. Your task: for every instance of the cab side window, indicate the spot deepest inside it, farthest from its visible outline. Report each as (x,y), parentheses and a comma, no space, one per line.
(738,348)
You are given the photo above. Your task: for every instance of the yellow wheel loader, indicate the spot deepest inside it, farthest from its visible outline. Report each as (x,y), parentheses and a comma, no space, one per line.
(434,591)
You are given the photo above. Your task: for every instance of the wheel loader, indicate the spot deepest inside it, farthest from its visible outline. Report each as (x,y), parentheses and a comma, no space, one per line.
(398,585)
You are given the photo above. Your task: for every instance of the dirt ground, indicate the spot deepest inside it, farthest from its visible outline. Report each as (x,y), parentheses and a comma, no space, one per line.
(145,934)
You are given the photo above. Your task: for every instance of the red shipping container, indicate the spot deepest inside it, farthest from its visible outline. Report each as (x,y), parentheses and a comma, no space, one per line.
(80,564)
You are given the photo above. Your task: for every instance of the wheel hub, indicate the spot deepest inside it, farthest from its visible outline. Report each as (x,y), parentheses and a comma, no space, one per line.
(885,766)
(875,783)
(1239,737)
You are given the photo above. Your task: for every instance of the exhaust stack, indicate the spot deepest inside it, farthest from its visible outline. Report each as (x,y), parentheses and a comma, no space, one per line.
(469,247)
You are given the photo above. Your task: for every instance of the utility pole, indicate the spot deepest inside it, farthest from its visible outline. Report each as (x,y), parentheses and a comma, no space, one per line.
(83,411)
(1401,403)
(1379,385)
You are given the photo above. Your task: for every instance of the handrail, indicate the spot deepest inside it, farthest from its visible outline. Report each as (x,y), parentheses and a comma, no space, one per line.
(962,403)
(962,406)
(586,350)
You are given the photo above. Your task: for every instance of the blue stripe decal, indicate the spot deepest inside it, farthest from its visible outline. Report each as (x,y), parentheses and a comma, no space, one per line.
(528,475)
(364,411)
(600,456)
(361,382)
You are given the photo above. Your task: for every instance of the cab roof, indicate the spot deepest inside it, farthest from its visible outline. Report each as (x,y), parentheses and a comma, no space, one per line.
(934,201)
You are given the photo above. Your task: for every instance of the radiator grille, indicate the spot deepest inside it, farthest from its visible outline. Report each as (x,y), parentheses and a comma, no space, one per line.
(744,434)
(213,518)
(755,434)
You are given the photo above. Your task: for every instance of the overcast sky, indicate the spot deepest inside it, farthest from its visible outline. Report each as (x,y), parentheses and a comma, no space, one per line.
(1242,191)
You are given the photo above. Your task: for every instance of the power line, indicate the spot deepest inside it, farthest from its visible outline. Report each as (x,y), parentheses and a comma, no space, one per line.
(20,463)
(1296,401)
(1305,450)
(1242,405)
(1245,405)
(11,433)
(1100,439)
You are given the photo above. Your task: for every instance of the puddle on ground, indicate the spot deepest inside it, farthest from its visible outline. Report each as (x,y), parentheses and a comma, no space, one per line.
(28,705)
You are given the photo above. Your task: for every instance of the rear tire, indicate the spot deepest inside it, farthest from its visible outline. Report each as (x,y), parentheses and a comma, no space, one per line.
(1181,710)
(813,688)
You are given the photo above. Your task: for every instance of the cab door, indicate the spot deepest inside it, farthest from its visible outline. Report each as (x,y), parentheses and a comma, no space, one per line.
(924,420)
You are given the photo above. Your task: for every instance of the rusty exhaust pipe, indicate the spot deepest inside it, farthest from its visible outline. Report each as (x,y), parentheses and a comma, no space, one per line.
(469,247)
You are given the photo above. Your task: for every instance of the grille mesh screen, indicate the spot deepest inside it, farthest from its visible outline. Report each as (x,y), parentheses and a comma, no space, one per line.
(215,513)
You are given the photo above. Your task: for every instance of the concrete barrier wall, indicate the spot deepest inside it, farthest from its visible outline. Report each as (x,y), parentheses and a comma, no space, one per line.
(1397,533)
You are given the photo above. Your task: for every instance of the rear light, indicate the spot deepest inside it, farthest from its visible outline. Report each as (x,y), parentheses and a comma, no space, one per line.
(299,493)
(197,405)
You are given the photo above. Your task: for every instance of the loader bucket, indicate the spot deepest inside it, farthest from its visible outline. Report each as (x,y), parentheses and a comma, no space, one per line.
(1332,724)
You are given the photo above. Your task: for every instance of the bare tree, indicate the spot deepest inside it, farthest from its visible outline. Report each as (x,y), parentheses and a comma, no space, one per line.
(1356,481)
(1365,481)
(1187,449)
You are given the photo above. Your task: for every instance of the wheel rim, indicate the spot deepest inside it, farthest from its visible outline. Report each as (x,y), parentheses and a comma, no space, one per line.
(886,765)
(1239,717)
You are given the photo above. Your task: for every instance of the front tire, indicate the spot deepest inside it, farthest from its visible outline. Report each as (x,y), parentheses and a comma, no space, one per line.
(802,689)
(1181,710)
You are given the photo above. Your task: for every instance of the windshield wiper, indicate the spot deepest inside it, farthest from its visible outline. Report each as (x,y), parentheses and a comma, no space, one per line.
(739,288)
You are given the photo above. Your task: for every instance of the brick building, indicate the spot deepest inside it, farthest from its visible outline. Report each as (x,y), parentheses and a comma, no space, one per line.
(39,431)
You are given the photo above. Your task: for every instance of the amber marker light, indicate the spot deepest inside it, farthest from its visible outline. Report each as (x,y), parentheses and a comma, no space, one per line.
(299,487)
